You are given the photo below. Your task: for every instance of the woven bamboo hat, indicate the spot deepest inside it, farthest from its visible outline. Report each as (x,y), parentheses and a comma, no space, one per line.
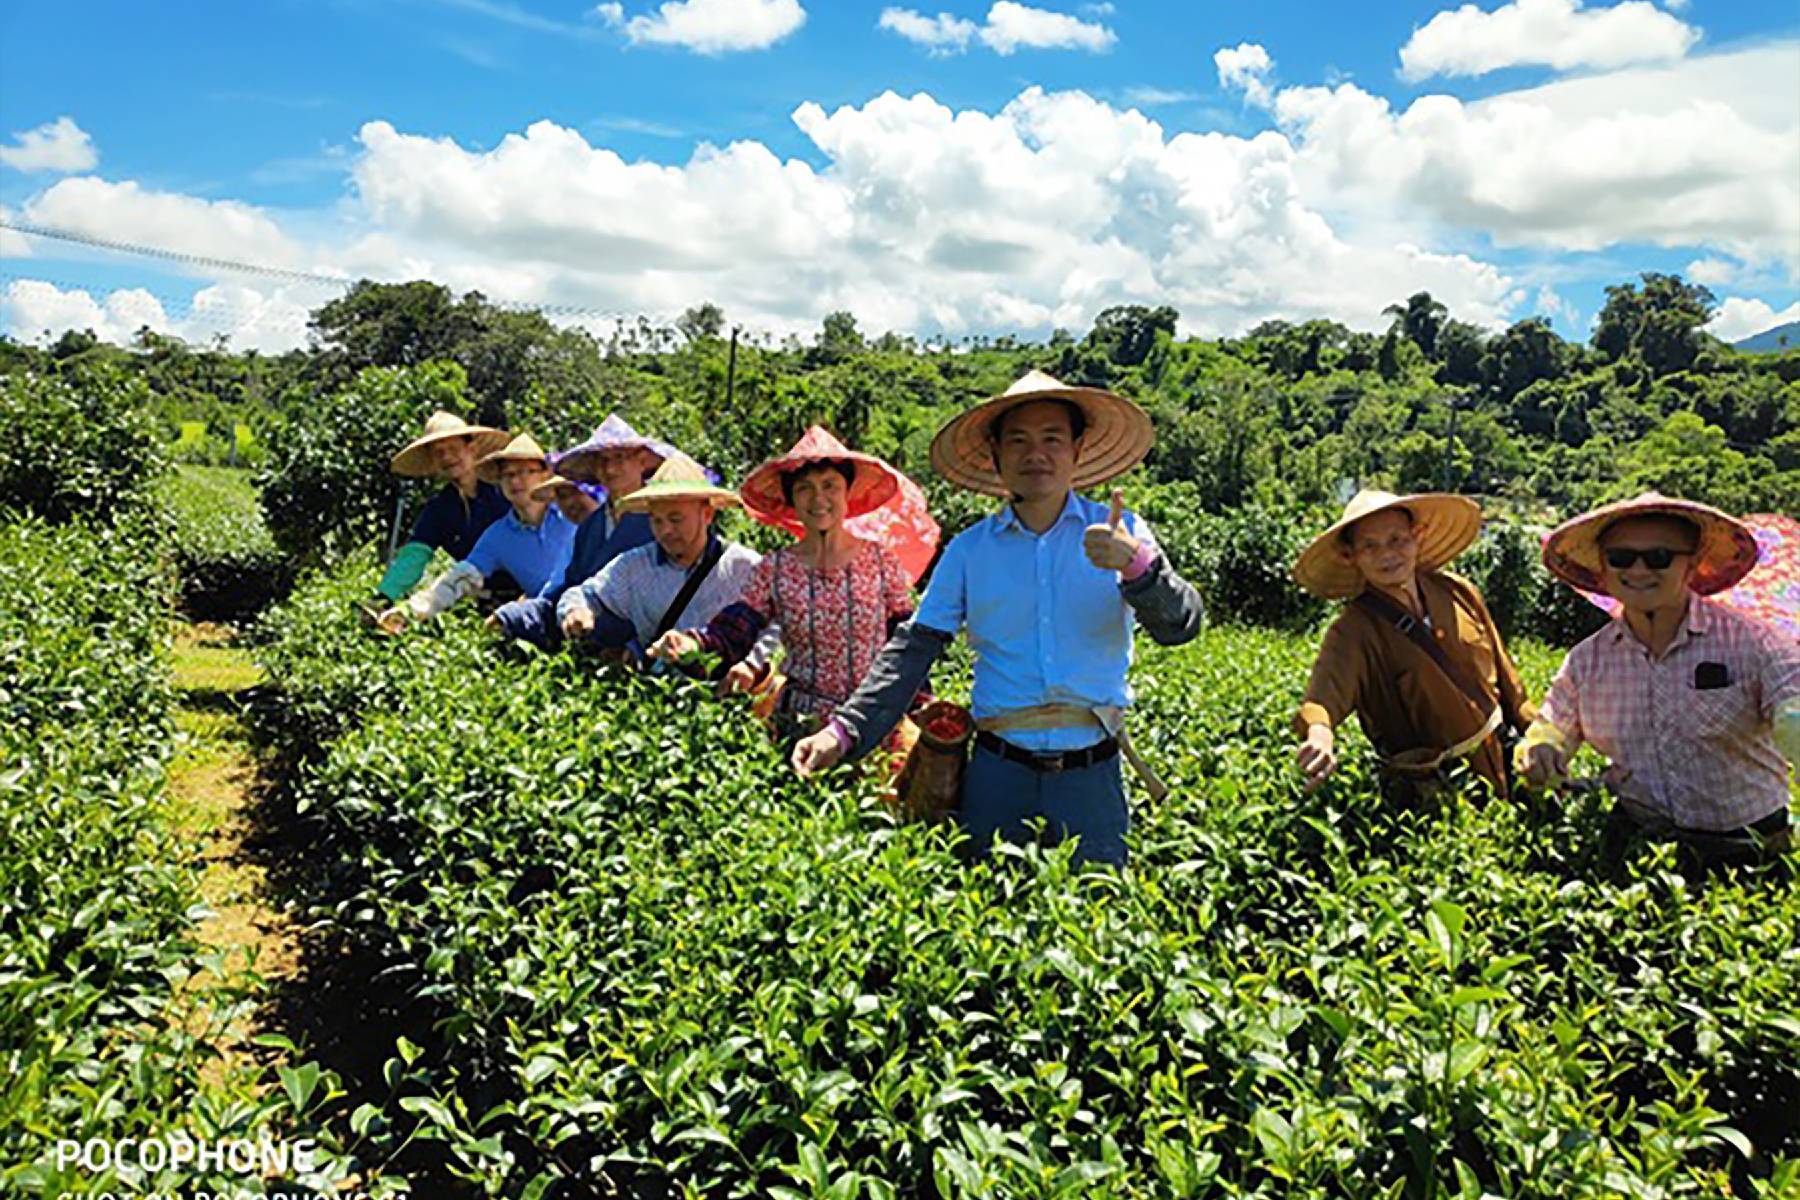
(1444,526)
(1726,553)
(679,478)
(523,448)
(873,485)
(416,460)
(1117,438)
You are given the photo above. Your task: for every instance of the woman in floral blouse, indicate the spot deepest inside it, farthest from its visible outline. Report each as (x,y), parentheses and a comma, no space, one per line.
(834,596)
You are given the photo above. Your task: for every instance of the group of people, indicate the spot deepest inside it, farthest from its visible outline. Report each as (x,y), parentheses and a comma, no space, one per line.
(1695,705)
(612,545)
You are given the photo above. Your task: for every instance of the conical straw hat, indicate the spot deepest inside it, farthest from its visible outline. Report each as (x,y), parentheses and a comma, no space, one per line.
(416,459)
(1443,525)
(679,478)
(874,484)
(1726,553)
(547,489)
(1117,438)
(523,448)
(580,463)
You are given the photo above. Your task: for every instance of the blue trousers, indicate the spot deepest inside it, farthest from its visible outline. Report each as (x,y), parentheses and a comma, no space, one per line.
(1001,797)
(531,619)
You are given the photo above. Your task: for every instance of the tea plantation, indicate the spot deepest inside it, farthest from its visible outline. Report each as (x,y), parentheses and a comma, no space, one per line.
(617,948)
(571,933)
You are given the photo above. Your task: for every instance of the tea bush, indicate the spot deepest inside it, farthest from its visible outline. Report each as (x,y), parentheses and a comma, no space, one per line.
(1525,599)
(1239,558)
(227,564)
(630,953)
(94,892)
(82,441)
(325,482)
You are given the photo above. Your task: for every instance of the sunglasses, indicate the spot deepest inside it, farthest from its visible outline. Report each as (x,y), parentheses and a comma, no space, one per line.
(1657,558)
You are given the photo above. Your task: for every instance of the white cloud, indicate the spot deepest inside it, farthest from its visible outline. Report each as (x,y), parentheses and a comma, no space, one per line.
(1549,303)
(1245,68)
(710,26)
(942,34)
(12,245)
(1712,272)
(1704,153)
(1154,96)
(927,219)
(1013,27)
(917,221)
(1740,317)
(250,319)
(1009,28)
(126,212)
(34,310)
(1553,33)
(60,145)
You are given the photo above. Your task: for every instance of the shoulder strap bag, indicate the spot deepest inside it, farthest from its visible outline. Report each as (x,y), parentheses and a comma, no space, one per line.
(696,577)
(1384,609)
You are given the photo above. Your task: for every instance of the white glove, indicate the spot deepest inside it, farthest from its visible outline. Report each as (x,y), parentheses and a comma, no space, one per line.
(459,581)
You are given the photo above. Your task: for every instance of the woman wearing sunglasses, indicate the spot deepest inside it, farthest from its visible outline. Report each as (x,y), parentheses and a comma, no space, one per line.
(1696,704)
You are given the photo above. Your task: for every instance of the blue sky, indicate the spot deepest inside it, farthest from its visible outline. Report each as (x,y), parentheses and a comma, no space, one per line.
(242,131)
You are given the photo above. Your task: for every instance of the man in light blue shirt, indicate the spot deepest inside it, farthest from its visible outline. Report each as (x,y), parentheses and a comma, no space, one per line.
(1047,589)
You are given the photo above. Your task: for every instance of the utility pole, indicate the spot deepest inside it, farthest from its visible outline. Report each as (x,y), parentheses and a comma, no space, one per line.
(1449,444)
(731,368)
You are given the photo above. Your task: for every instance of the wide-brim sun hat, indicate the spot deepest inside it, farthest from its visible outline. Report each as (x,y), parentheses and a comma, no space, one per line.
(872,485)
(1726,553)
(679,478)
(1118,435)
(547,489)
(581,463)
(523,448)
(416,460)
(1444,525)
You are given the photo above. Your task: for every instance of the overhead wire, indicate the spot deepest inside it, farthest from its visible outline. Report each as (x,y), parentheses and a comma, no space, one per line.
(552,310)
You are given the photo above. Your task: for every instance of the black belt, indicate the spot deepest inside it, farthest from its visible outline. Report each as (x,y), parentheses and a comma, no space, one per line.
(1067,760)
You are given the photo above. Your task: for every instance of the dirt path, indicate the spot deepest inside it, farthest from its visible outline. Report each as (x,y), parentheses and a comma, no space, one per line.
(253,946)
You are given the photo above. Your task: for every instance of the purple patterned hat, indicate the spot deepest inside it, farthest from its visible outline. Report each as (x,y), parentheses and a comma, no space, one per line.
(615,433)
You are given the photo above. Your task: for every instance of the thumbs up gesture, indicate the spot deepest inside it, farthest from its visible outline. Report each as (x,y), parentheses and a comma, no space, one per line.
(1110,547)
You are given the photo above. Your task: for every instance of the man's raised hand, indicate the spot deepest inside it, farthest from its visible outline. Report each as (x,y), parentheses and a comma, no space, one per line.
(1110,546)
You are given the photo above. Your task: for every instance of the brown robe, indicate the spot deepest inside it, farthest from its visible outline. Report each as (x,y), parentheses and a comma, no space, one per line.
(1402,699)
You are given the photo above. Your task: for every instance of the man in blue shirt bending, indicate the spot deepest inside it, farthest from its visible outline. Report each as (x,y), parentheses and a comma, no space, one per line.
(1047,588)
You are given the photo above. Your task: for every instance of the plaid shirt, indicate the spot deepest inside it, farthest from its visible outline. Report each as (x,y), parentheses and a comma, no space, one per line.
(1704,756)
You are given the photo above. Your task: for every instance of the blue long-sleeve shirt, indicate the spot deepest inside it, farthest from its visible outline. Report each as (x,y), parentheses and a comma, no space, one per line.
(532,555)
(1046,625)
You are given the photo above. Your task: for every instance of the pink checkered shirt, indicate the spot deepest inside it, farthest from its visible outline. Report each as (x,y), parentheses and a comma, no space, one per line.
(1703,757)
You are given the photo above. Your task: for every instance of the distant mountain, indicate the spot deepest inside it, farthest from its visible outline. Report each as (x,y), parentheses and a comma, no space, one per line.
(1782,337)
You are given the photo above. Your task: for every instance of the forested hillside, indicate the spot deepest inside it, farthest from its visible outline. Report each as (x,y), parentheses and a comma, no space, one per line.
(1280,415)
